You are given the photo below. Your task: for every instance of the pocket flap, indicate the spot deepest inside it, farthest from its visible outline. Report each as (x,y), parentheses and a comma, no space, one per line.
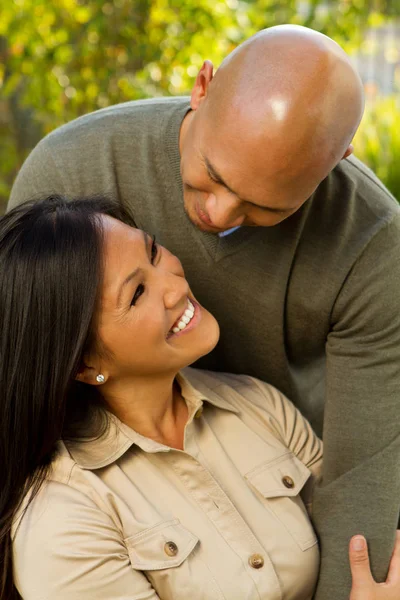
(163,546)
(284,476)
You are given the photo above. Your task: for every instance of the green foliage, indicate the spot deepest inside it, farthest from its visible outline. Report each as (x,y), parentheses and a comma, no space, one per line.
(377,142)
(61,59)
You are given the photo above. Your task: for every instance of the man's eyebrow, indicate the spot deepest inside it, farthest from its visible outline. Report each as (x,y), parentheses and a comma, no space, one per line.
(215,176)
(132,275)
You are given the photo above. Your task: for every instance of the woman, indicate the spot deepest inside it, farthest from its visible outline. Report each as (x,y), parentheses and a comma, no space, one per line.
(125,478)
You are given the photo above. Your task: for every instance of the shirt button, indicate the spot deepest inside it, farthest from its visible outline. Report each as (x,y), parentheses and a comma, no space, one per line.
(288,481)
(198,413)
(256,561)
(171,549)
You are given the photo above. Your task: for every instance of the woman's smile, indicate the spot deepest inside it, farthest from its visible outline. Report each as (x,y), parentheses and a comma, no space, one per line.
(187,321)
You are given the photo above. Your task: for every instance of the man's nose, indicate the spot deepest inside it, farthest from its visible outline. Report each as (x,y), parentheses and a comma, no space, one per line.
(224,210)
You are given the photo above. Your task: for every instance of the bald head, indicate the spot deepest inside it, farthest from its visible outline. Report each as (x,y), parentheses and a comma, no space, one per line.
(293,87)
(282,108)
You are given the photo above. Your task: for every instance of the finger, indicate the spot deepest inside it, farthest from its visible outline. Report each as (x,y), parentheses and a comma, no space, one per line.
(394,568)
(359,562)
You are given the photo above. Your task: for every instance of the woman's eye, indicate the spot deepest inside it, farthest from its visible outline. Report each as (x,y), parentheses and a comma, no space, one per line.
(140,288)
(154,250)
(139,291)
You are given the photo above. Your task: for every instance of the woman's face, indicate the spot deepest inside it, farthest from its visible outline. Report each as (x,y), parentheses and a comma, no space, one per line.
(148,318)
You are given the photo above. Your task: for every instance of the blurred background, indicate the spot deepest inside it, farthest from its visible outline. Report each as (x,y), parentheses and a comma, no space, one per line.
(62,58)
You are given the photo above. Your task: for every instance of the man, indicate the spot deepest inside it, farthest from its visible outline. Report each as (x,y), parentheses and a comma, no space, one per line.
(306,288)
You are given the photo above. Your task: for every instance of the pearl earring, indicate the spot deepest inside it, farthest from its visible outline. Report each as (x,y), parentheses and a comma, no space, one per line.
(100,378)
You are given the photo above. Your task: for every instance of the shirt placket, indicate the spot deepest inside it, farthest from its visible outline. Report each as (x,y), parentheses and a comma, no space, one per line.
(216,505)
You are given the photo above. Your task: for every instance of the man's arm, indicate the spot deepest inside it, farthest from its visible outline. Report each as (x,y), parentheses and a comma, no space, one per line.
(360,489)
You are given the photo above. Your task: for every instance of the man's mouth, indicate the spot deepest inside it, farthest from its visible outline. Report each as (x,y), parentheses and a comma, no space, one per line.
(203,216)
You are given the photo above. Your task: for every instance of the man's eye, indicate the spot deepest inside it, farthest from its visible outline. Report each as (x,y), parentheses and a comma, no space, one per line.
(139,291)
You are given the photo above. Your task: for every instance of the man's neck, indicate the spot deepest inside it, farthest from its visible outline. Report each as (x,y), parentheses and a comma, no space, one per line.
(187,119)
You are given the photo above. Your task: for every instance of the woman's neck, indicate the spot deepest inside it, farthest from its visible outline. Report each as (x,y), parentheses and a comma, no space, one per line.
(154,408)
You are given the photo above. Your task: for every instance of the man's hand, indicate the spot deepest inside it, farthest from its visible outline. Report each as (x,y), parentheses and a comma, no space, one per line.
(364,587)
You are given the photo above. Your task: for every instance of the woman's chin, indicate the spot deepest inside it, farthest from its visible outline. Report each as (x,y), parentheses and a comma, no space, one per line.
(209,338)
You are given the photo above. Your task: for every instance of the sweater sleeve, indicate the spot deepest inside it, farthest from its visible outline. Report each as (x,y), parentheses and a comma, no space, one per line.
(360,487)
(66,548)
(38,177)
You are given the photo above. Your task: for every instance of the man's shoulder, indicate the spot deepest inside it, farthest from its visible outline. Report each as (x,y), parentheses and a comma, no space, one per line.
(351,211)
(349,207)
(118,151)
(123,119)
(353,181)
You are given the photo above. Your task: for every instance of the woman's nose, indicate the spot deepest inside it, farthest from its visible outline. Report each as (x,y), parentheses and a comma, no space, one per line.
(176,290)
(224,210)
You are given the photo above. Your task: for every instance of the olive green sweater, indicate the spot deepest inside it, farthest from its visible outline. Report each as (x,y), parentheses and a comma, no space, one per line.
(310,305)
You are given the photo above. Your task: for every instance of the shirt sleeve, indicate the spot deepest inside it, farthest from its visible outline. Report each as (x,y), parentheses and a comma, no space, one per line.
(291,428)
(66,548)
(296,433)
(360,487)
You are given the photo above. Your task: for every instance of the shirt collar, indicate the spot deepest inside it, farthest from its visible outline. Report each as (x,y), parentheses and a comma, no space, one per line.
(228,231)
(118,438)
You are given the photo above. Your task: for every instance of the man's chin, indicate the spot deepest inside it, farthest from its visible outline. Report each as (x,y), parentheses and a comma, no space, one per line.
(206,228)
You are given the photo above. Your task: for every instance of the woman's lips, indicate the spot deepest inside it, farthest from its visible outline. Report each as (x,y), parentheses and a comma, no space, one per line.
(193,322)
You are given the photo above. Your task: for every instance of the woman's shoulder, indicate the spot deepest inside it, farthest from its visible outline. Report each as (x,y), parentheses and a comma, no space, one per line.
(58,477)
(215,379)
(63,515)
(257,403)
(242,391)
(263,408)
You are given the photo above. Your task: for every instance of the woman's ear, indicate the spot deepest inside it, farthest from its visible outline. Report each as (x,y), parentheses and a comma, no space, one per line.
(91,375)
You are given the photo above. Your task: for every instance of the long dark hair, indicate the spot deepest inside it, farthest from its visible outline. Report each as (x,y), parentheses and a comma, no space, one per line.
(50,275)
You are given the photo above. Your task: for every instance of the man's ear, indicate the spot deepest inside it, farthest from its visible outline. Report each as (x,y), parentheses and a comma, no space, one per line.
(200,88)
(348,151)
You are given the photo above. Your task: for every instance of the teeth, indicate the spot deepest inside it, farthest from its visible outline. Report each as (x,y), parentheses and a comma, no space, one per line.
(185,318)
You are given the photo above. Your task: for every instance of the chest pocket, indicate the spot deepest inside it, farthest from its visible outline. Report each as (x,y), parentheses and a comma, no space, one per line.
(168,553)
(280,482)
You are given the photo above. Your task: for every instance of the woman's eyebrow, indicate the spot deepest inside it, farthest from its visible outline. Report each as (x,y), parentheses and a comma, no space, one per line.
(131,275)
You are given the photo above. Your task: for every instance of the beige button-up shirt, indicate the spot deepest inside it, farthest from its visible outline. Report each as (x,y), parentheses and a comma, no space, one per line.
(126,518)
